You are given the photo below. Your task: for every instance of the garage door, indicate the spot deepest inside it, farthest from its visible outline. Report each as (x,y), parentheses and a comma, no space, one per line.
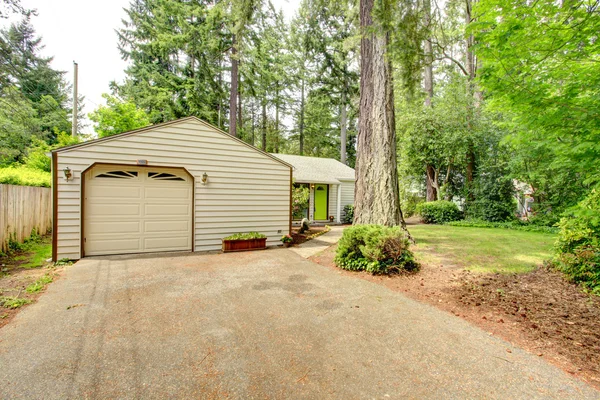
(137,210)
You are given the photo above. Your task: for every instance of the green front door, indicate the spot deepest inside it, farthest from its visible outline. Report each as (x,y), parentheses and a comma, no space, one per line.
(320,202)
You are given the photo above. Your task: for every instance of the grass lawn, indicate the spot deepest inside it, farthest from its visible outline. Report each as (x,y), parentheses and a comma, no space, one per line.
(482,249)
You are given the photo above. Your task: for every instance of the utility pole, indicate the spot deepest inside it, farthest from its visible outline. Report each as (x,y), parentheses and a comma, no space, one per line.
(74,127)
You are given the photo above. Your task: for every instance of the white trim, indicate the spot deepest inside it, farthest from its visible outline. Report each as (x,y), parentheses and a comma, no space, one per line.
(339,204)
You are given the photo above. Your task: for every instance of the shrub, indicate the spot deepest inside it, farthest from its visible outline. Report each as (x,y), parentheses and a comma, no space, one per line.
(438,212)
(348,214)
(300,197)
(245,236)
(375,248)
(578,245)
(23,176)
(409,205)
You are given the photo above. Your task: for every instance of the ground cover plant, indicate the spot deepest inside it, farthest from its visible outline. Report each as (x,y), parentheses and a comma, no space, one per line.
(375,248)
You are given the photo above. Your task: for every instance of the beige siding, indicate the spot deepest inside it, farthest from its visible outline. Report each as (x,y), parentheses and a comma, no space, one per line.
(333,200)
(347,194)
(246,190)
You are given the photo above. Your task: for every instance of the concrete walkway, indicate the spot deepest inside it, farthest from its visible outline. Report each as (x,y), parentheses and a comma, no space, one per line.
(320,243)
(266,324)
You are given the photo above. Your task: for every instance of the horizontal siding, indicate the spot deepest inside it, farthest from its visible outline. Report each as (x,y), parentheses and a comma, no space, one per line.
(333,200)
(347,195)
(246,191)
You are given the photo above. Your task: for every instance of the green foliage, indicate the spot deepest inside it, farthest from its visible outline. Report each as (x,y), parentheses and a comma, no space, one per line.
(348,214)
(409,203)
(438,212)
(286,239)
(13,302)
(40,284)
(245,236)
(24,176)
(539,65)
(578,245)
(376,249)
(37,154)
(117,117)
(300,198)
(515,224)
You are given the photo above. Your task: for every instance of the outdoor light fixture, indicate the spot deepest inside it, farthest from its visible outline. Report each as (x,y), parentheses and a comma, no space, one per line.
(204,178)
(68,173)
(312,185)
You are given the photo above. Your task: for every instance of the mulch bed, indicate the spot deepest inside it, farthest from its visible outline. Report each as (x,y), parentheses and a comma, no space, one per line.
(300,238)
(538,311)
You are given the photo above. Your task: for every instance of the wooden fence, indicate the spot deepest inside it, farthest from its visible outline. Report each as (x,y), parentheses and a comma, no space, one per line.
(23,208)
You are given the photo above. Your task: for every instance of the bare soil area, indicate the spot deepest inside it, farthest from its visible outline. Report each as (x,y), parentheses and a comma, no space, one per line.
(538,311)
(17,274)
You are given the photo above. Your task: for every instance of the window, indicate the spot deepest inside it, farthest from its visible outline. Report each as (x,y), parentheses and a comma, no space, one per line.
(118,175)
(164,176)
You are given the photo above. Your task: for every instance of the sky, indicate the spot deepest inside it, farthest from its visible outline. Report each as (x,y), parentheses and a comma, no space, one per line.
(84,31)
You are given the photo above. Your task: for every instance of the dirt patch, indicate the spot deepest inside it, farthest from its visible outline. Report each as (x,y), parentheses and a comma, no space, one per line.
(538,311)
(299,238)
(17,274)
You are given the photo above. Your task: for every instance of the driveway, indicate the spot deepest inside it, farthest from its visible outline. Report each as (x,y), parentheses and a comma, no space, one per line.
(266,324)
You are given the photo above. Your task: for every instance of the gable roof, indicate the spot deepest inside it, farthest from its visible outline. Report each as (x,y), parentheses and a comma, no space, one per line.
(318,170)
(163,124)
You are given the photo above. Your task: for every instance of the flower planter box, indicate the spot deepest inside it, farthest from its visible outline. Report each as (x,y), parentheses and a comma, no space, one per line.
(244,245)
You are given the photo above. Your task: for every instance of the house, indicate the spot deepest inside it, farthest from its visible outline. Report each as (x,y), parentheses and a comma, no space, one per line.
(331,185)
(177,186)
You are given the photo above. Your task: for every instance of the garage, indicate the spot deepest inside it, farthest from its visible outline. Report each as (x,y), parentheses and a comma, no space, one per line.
(181,185)
(136,210)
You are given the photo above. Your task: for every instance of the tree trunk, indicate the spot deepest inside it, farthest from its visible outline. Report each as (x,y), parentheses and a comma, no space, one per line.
(376,199)
(234,90)
(471,66)
(240,121)
(344,124)
(432,194)
(301,138)
(428,73)
(264,126)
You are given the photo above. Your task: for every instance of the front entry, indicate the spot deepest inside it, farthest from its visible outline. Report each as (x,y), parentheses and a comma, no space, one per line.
(321,192)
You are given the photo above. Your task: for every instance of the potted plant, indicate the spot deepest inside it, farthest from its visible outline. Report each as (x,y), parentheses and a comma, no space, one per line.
(244,242)
(287,240)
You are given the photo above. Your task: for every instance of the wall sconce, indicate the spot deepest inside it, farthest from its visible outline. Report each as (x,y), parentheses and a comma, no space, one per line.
(312,185)
(68,173)
(204,179)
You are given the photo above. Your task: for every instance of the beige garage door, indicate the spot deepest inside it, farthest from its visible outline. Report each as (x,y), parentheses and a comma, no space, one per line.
(137,210)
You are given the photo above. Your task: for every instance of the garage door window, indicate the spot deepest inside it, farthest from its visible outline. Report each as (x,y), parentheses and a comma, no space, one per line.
(164,176)
(118,174)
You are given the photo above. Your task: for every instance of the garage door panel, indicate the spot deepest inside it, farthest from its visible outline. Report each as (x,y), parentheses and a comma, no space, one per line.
(114,246)
(166,226)
(167,209)
(113,192)
(133,211)
(114,227)
(102,210)
(167,244)
(157,193)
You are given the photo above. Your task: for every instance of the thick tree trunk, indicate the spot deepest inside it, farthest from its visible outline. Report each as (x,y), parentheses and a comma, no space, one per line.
(376,199)
(301,138)
(264,126)
(234,90)
(343,126)
(428,49)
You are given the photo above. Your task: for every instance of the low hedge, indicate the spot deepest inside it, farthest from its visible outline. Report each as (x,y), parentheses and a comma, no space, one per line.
(375,248)
(23,176)
(516,225)
(438,212)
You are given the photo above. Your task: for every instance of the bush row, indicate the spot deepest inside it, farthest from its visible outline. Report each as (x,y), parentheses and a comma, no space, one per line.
(375,248)
(24,176)
(516,224)
(438,212)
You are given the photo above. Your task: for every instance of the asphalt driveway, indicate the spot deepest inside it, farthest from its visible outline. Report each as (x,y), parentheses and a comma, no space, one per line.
(265,324)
